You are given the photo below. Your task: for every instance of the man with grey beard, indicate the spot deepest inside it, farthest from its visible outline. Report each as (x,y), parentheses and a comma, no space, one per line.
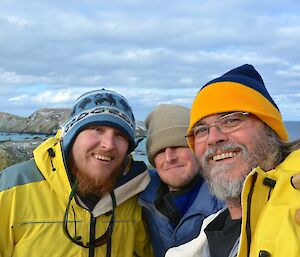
(239,138)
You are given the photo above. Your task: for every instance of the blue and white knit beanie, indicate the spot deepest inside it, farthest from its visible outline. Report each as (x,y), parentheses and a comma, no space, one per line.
(103,108)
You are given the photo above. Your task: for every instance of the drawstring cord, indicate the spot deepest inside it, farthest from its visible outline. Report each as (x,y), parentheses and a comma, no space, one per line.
(103,239)
(52,155)
(76,238)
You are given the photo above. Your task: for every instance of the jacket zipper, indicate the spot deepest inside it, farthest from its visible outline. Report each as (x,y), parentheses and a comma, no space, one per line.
(92,235)
(248,225)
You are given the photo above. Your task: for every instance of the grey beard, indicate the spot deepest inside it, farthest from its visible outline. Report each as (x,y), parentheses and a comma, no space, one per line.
(224,187)
(220,184)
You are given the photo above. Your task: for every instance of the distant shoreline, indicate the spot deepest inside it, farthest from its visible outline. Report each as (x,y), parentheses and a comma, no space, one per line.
(27,133)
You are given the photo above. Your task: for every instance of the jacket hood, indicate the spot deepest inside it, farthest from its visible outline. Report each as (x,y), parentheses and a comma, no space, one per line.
(50,161)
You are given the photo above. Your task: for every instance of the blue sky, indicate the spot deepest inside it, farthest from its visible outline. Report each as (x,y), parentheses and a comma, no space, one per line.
(150,51)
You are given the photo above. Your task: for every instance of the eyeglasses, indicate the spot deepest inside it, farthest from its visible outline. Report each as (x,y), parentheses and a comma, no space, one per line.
(77,239)
(226,124)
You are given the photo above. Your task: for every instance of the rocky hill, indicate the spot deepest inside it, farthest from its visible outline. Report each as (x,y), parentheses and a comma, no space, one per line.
(45,121)
(12,152)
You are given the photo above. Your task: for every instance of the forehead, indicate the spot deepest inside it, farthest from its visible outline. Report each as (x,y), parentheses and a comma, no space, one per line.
(106,127)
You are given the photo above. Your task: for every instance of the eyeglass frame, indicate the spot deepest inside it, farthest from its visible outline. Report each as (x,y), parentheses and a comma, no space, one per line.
(103,239)
(215,124)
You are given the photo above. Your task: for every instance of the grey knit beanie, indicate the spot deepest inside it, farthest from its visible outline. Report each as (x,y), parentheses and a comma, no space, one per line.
(166,127)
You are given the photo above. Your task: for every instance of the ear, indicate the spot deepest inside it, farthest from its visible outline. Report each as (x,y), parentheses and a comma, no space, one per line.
(126,164)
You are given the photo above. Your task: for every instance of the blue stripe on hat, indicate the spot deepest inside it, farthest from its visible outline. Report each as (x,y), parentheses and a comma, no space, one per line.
(248,76)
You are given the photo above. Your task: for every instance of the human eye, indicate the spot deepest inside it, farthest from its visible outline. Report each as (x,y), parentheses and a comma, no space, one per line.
(200,131)
(231,121)
(119,134)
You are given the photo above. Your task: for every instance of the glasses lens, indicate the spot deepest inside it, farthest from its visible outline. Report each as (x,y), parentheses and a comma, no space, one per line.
(200,133)
(226,124)
(232,122)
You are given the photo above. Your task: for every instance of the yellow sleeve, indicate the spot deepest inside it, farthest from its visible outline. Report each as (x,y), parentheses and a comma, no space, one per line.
(143,247)
(6,225)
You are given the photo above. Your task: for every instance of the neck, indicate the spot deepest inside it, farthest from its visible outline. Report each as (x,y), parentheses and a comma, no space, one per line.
(235,208)
(195,182)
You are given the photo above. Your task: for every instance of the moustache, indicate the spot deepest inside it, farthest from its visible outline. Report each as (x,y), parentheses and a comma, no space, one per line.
(221,148)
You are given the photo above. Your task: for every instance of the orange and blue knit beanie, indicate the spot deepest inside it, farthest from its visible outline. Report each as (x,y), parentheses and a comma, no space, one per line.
(241,89)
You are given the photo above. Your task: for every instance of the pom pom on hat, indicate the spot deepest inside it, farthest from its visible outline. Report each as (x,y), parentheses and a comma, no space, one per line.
(241,89)
(166,127)
(102,108)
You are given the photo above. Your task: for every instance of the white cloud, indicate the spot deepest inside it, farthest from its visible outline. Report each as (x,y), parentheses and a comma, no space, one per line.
(12,78)
(19,98)
(50,97)
(16,21)
(150,51)
(293,71)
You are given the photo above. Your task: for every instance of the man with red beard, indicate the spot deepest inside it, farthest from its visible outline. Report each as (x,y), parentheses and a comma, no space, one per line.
(239,138)
(79,195)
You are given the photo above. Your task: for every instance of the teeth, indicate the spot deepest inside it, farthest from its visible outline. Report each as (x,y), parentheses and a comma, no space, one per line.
(102,158)
(224,156)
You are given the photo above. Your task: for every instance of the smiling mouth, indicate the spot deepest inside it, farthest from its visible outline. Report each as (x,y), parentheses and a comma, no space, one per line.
(102,157)
(222,156)
(174,167)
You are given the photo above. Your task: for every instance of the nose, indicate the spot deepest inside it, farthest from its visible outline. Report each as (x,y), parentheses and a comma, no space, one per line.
(215,136)
(107,140)
(170,154)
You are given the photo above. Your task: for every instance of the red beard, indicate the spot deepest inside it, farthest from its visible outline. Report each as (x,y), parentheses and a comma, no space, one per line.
(104,183)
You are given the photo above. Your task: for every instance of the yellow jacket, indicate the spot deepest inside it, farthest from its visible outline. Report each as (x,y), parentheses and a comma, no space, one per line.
(33,199)
(269,203)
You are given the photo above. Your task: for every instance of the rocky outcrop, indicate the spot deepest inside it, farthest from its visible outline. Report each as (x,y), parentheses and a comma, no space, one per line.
(45,121)
(12,152)
(10,122)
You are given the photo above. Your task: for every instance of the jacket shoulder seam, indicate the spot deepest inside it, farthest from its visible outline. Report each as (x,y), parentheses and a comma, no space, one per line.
(20,174)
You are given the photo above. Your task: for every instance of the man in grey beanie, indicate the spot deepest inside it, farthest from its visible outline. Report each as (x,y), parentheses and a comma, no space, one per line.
(79,195)
(177,199)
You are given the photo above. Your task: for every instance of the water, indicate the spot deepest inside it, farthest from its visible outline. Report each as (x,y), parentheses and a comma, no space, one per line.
(140,154)
(5,136)
(293,128)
